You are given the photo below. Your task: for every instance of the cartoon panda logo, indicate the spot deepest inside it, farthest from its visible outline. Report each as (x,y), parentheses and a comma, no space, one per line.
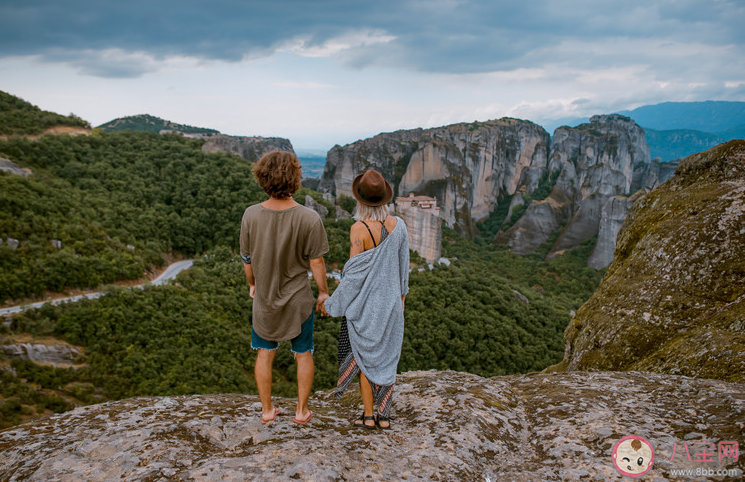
(633,456)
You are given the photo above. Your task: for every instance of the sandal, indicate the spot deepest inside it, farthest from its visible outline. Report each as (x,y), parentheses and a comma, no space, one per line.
(277,411)
(364,419)
(381,418)
(303,422)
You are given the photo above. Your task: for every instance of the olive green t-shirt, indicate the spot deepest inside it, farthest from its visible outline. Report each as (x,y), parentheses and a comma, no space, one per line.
(279,245)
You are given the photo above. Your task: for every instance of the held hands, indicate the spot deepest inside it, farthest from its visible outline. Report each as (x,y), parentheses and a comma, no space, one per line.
(320,304)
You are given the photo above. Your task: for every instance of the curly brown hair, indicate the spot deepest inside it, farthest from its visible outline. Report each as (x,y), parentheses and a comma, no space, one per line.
(278,173)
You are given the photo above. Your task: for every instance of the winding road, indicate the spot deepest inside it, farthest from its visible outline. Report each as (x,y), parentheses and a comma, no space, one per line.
(167,275)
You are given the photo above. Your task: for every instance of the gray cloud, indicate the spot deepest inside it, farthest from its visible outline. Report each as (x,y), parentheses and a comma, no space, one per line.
(105,63)
(461,36)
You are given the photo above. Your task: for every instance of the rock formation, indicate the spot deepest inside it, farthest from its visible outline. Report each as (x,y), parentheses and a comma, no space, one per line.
(311,183)
(467,167)
(448,426)
(471,167)
(647,176)
(341,213)
(612,217)
(60,354)
(13,168)
(315,206)
(596,162)
(422,218)
(249,148)
(673,300)
(604,153)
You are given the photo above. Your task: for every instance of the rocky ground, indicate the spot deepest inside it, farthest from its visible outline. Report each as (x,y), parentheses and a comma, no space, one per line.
(447,426)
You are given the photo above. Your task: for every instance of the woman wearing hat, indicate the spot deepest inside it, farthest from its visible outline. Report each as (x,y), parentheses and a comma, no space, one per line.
(371,298)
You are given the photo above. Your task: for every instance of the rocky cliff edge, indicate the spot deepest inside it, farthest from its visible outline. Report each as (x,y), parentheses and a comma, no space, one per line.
(249,148)
(673,300)
(447,426)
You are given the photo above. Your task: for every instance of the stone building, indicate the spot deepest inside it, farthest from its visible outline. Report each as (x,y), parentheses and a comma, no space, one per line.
(422,218)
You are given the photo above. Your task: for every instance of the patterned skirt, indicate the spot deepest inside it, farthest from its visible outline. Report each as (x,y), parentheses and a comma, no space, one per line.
(348,369)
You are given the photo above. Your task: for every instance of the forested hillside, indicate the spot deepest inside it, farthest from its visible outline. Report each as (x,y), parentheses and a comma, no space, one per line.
(679,143)
(18,117)
(116,203)
(150,123)
(106,207)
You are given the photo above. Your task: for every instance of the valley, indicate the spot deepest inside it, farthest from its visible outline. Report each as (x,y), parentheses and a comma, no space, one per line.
(107,207)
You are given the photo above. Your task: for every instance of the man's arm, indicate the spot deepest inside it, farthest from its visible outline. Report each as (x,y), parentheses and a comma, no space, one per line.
(318,268)
(250,277)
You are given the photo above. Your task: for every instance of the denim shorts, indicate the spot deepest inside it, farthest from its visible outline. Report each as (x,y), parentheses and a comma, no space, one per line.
(300,344)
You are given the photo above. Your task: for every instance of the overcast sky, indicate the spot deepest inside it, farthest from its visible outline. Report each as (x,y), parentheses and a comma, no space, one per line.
(333,71)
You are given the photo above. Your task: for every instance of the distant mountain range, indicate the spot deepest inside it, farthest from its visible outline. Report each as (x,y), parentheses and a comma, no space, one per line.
(313,162)
(149,123)
(678,129)
(717,117)
(673,129)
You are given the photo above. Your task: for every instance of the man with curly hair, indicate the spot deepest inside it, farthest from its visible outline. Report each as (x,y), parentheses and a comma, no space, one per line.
(280,241)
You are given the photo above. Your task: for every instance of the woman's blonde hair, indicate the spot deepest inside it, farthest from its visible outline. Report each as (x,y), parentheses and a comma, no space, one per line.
(373,213)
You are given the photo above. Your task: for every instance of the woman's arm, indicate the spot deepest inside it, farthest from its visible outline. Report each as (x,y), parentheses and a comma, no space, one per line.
(403,263)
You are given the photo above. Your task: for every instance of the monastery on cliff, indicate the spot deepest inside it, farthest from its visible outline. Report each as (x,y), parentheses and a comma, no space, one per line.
(422,218)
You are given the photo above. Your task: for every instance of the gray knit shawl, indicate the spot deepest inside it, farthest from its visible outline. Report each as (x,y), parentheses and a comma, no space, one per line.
(369,295)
